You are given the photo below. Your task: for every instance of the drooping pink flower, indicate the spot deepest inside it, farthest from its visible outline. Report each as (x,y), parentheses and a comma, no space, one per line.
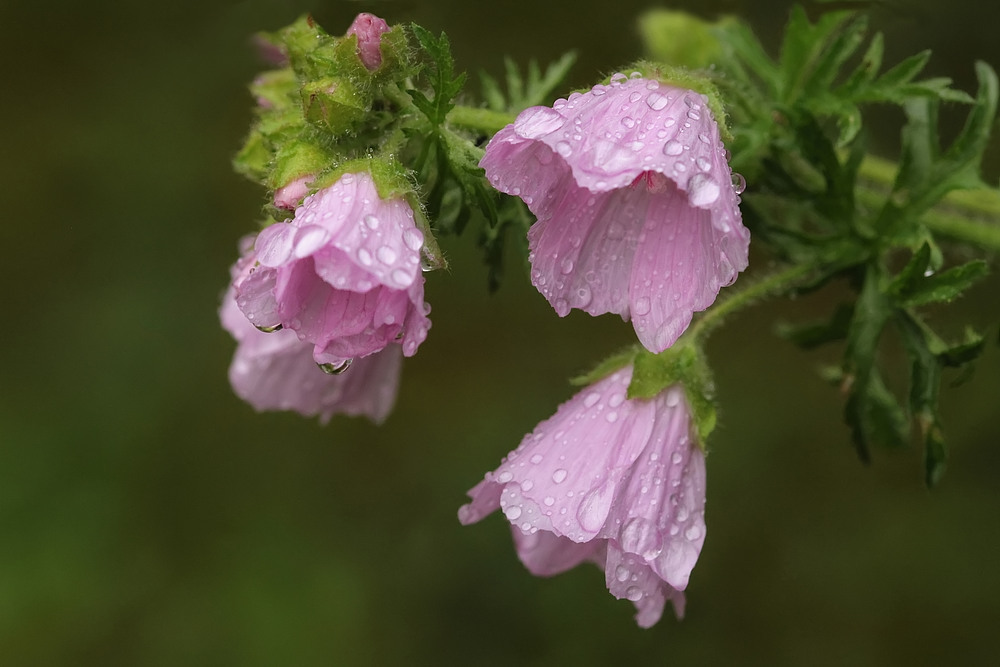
(617,482)
(343,274)
(276,371)
(636,212)
(369,29)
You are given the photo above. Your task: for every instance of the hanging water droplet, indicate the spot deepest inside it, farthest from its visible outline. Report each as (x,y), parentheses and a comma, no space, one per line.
(633,593)
(739,183)
(270,329)
(336,369)
(622,573)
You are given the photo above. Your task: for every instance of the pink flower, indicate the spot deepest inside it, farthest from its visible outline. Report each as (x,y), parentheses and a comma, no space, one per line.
(344,274)
(369,29)
(617,482)
(631,188)
(276,371)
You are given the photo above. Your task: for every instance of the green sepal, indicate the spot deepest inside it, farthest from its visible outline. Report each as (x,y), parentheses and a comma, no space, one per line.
(680,39)
(295,159)
(392,180)
(680,77)
(681,364)
(336,104)
(276,87)
(253,160)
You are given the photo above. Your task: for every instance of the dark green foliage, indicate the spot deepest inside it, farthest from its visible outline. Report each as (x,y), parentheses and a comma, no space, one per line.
(799,137)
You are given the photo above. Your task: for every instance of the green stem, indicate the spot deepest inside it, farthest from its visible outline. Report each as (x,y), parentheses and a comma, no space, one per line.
(481,120)
(971,216)
(734,301)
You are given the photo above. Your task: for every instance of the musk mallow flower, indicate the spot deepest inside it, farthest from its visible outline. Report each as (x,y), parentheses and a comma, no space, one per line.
(636,209)
(344,274)
(618,482)
(276,371)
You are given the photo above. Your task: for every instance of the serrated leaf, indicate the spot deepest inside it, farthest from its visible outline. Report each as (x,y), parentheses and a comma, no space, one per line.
(944,286)
(808,336)
(912,273)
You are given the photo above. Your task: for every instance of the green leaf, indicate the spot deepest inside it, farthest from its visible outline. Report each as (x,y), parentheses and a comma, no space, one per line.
(912,274)
(944,286)
(445,84)
(808,336)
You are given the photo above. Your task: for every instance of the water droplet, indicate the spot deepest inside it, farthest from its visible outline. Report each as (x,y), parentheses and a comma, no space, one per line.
(386,255)
(633,593)
(618,77)
(693,115)
(536,459)
(567,266)
(692,533)
(636,146)
(527,485)
(622,573)
(703,163)
(680,167)
(549,501)
(364,256)
(676,458)
(703,190)
(563,148)
(371,222)
(336,369)
(401,277)
(634,97)
(559,475)
(657,101)
(616,400)
(598,90)
(703,138)
(594,507)
(513,512)
(673,147)
(640,536)
(535,122)
(591,398)
(628,122)
(310,239)
(739,183)
(505,477)
(270,329)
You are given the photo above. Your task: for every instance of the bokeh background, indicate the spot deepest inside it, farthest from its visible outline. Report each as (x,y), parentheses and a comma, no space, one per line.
(148,517)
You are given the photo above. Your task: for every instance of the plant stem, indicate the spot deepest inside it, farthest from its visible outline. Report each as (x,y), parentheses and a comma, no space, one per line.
(482,120)
(971,216)
(776,282)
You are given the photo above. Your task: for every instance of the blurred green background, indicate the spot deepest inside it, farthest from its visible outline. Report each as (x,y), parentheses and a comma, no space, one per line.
(148,517)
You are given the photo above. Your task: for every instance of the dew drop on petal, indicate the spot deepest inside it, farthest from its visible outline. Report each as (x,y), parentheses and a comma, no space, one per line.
(371,222)
(633,593)
(559,475)
(591,398)
(622,573)
(401,277)
(505,477)
(386,255)
(364,256)
(703,190)
(657,101)
(673,147)
(513,512)
(563,148)
(538,121)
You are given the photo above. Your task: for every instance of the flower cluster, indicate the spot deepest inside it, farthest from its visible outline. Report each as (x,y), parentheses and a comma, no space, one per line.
(636,215)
